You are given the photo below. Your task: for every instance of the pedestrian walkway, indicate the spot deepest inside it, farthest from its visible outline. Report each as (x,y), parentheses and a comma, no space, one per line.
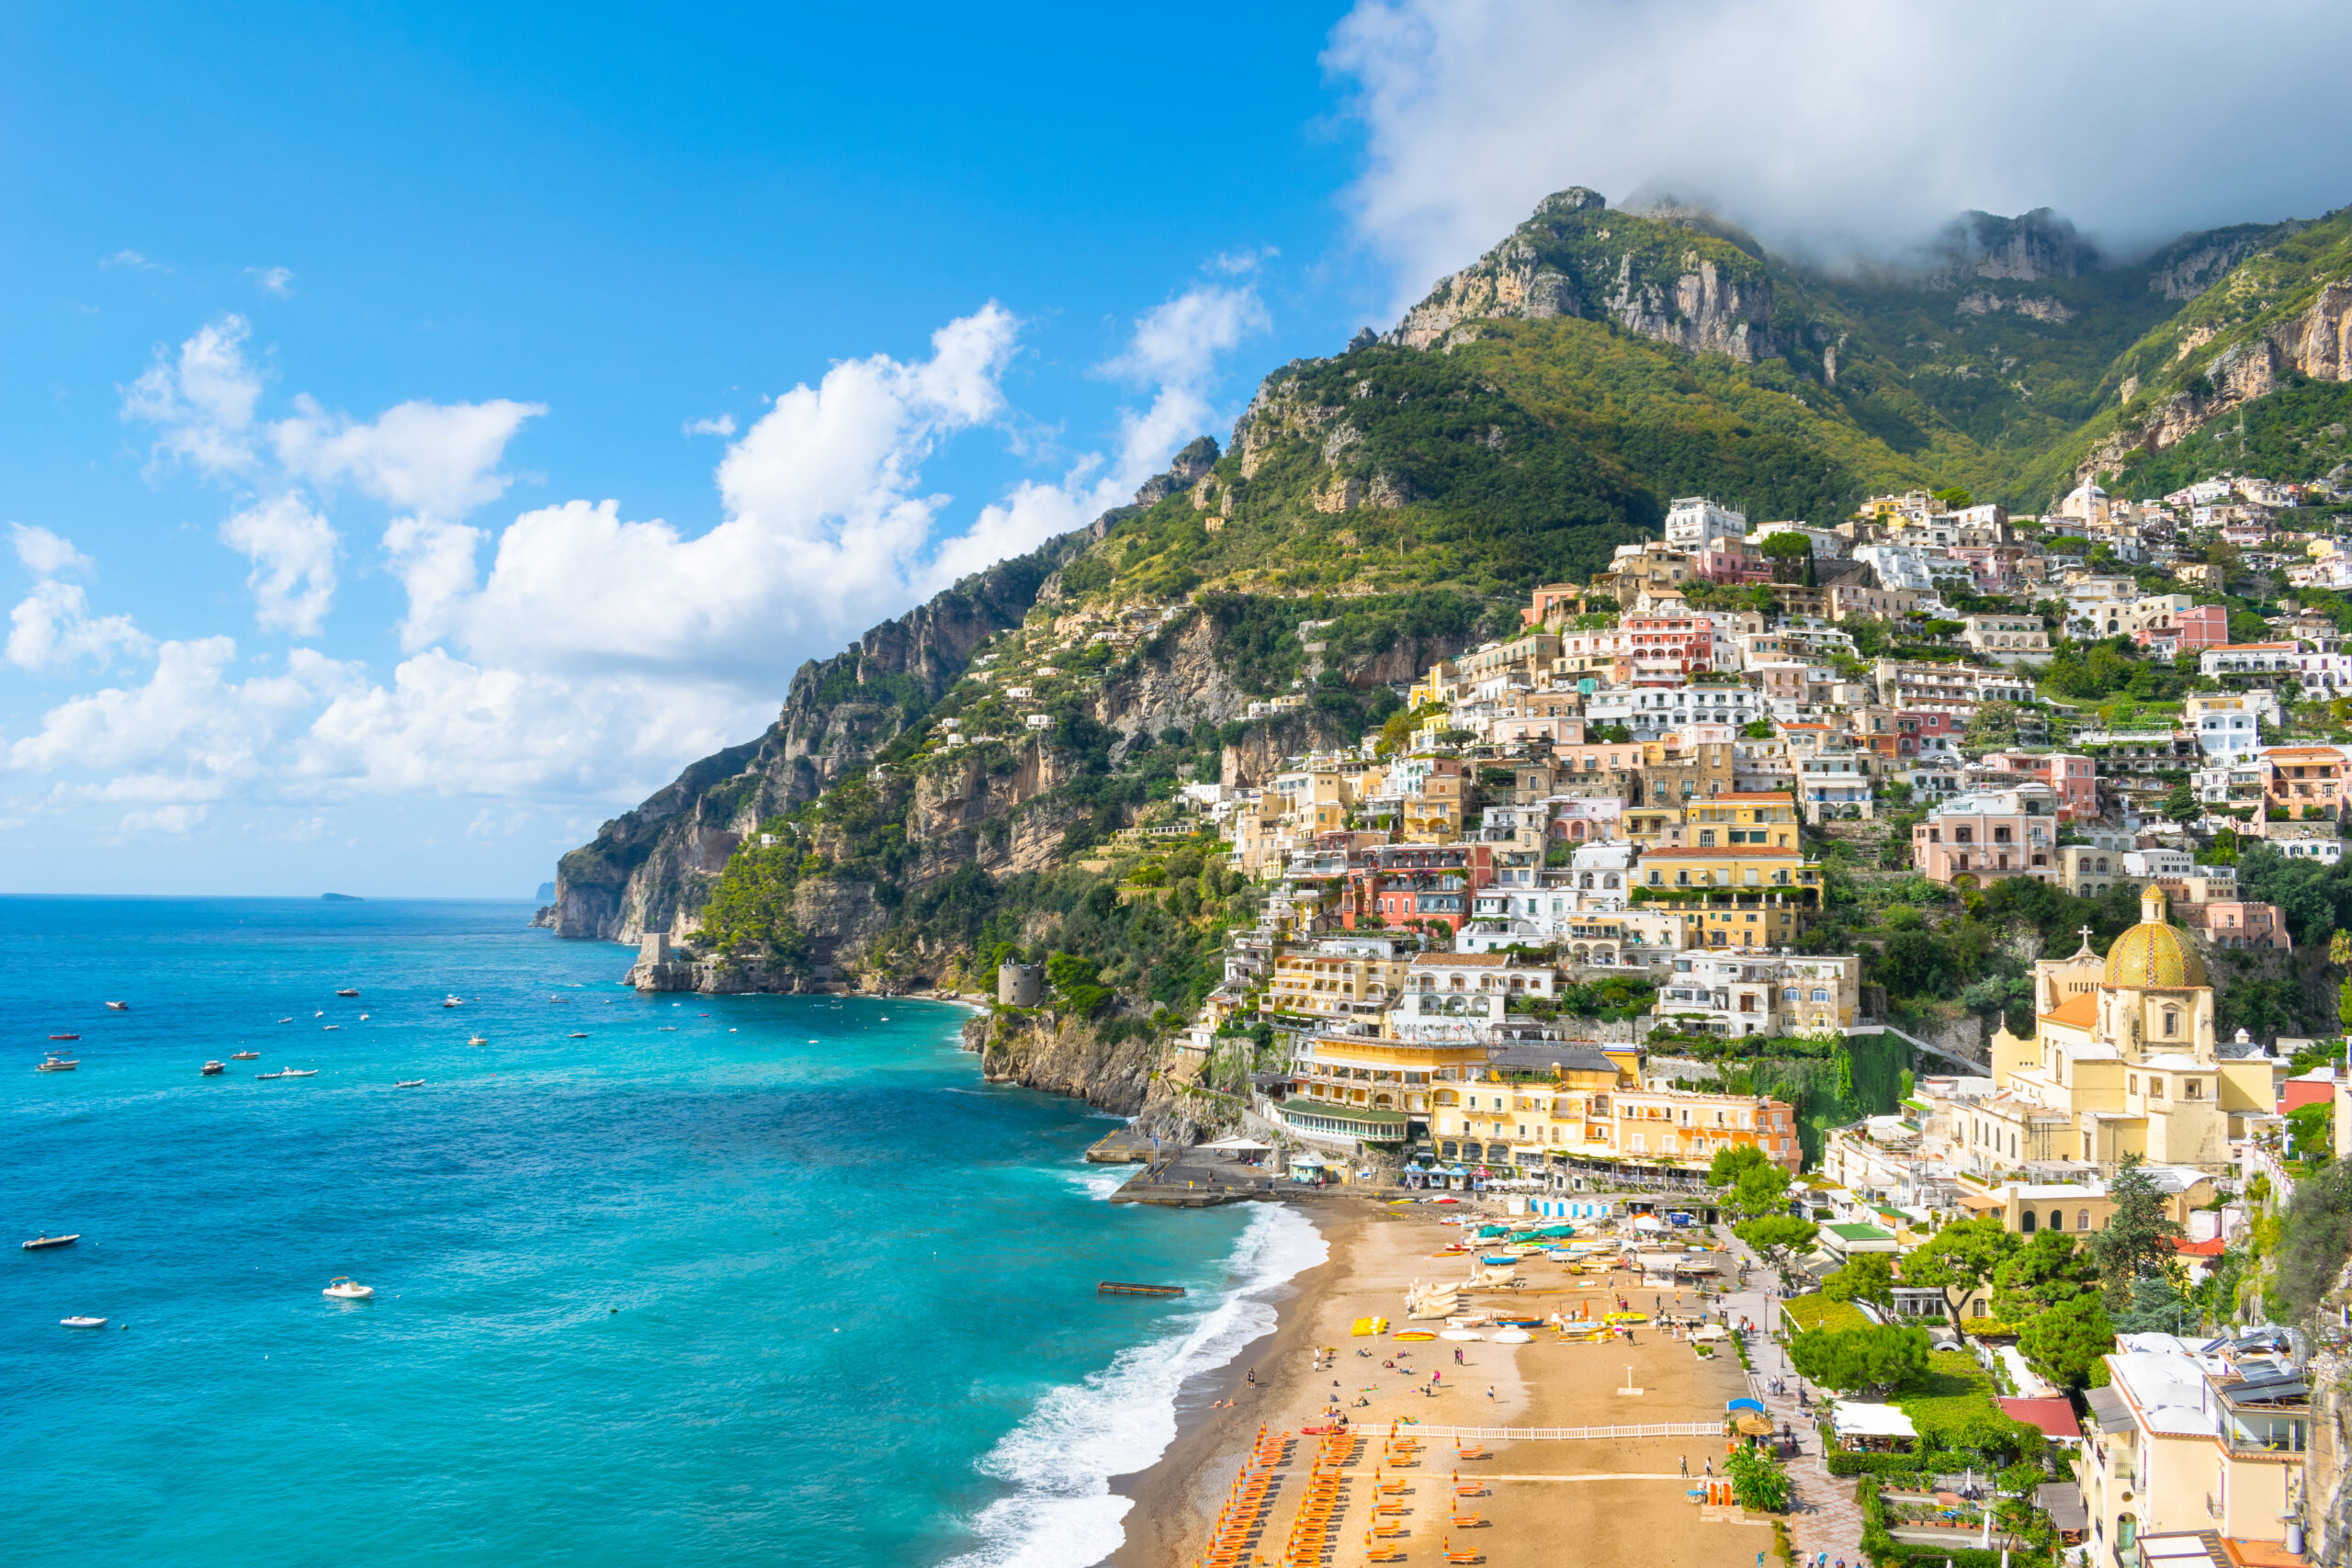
(1823,1516)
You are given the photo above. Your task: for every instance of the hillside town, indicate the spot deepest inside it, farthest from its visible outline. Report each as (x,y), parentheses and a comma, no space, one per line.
(1514,943)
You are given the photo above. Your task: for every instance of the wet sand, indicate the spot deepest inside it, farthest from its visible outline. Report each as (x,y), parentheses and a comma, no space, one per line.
(1567,1501)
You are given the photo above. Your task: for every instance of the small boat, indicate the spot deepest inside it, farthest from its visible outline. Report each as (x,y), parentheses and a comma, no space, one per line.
(57,1065)
(330,1026)
(265,1078)
(1513,1337)
(409,1083)
(1460,1334)
(363,1018)
(288,1018)
(344,1287)
(452,1001)
(47,1240)
(348,991)
(577,1034)
(65,1037)
(1118,1288)
(81,1323)
(116,1006)
(304,1073)
(214,1069)
(320,1013)
(244,1055)
(1413,1333)
(479,1040)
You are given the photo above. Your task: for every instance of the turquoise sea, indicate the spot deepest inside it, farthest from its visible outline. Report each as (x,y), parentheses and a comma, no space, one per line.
(728,1281)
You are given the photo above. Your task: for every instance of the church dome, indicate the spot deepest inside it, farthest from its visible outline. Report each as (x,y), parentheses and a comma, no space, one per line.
(2151,954)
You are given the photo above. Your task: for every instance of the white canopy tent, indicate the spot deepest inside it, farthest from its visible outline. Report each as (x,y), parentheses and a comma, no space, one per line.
(1239,1145)
(1855,1419)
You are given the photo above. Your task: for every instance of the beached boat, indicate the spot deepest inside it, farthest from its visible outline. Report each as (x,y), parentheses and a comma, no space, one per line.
(344,1287)
(1120,1288)
(1460,1334)
(81,1323)
(1413,1333)
(1364,1327)
(348,991)
(116,1006)
(244,1055)
(57,1064)
(45,1240)
(409,1083)
(214,1069)
(1514,1337)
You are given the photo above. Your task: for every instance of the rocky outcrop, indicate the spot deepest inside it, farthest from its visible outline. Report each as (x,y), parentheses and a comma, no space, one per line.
(1665,274)
(2316,343)
(2191,266)
(652,869)
(1061,1054)
(2028,248)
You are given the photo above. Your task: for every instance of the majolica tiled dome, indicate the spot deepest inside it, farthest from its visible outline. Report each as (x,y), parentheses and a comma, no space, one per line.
(2153,954)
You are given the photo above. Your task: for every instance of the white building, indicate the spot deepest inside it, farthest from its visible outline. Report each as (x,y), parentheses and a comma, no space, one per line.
(2229,724)
(1694,522)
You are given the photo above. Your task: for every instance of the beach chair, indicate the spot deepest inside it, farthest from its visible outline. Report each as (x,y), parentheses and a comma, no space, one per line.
(1475,1451)
(1384,1554)
(1469,1521)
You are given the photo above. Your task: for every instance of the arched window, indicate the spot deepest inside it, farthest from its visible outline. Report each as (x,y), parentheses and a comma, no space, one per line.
(2026,1222)
(2082,1219)
(2057,1219)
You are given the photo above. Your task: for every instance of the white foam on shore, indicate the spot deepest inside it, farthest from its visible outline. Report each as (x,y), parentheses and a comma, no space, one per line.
(1098,1182)
(1122,1419)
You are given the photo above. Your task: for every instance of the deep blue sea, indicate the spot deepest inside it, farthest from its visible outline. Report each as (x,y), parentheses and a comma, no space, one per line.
(728,1281)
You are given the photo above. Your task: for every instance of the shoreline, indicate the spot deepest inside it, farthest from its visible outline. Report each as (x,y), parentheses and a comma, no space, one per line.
(1175,1497)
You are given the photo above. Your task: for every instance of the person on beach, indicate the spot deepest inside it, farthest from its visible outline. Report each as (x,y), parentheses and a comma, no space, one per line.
(1253,1377)
(1684,1460)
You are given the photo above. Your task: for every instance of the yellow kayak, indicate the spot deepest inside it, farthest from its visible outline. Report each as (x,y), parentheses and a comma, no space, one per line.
(1413,1333)
(1627,1317)
(1369,1326)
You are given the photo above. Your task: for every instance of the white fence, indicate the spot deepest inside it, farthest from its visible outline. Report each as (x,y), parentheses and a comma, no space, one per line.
(1542,1434)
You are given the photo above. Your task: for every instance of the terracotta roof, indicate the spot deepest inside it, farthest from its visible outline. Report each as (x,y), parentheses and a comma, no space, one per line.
(2054,1417)
(2213,1248)
(2082,1012)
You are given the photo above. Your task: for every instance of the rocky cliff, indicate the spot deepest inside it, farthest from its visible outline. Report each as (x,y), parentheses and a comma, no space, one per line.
(649,868)
(1662,277)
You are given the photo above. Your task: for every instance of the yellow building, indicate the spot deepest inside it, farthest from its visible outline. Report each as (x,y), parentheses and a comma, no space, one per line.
(1767,818)
(1561,1105)
(2123,1058)
(1366,1091)
(1320,984)
(1751,895)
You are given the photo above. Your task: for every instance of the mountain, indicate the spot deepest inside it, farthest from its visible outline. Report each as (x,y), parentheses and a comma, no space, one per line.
(1389,505)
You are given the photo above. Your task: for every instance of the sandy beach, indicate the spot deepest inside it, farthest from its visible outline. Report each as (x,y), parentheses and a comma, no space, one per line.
(1546,1500)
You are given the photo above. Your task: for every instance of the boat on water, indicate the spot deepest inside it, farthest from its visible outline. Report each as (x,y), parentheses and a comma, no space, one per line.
(302,1073)
(116,1006)
(344,1287)
(65,1037)
(45,1240)
(409,1083)
(57,1064)
(348,991)
(330,1026)
(453,1001)
(479,1040)
(1121,1287)
(265,1078)
(81,1323)
(288,1018)
(244,1055)
(214,1069)
(577,1034)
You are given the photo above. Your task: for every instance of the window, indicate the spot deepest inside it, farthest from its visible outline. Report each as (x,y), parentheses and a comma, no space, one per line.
(2172,1022)
(2024,1222)
(2082,1219)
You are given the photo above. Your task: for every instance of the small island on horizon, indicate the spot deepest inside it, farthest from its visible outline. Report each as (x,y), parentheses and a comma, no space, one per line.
(341,898)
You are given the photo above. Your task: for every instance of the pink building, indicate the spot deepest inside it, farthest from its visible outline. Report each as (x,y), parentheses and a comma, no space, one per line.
(1973,839)
(1734,560)
(2189,631)
(1687,641)
(2074,780)
(2240,925)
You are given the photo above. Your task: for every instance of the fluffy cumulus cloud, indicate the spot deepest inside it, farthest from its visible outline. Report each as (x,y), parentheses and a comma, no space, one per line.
(1839,124)
(596,652)
(292,548)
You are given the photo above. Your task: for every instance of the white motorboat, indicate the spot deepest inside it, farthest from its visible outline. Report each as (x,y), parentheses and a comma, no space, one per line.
(577,1034)
(1513,1337)
(479,1040)
(330,1026)
(81,1323)
(301,1073)
(453,1001)
(1459,1334)
(214,1069)
(116,1006)
(409,1083)
(344,1287)
(57,1065)
(46,1240)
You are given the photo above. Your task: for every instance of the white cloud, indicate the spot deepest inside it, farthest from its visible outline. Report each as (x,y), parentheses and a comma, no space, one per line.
(274,280)
(134,260)
(164,819)
(720,425)
(438,461)
(201,399)
(47,554)
(52,626)
(1473,112)
(188,722)
(293,551)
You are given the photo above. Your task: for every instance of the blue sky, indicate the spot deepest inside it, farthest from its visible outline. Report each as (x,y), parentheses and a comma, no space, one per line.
(424,428)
